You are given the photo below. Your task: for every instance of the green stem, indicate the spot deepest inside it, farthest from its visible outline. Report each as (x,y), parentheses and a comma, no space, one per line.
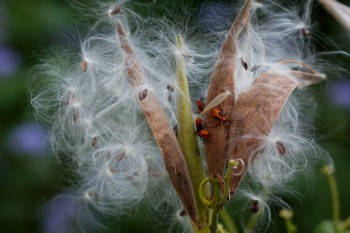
(214,221)
(216,208)
(287,215)
(251,224)
(335,200)
(217,200)
(186,134)
(289,225)
(345,224)
(221,229)
(230,225)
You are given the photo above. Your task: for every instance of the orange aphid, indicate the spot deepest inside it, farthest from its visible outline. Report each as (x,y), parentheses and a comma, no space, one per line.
(199,124)
(219,115)
(200,106)
(203,134)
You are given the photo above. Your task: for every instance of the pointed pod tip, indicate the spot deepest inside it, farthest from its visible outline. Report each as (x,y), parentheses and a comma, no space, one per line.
(179,41)
(306,79)
(179,38)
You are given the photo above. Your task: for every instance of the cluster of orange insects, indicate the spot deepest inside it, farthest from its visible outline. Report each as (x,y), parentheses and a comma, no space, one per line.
(216,114)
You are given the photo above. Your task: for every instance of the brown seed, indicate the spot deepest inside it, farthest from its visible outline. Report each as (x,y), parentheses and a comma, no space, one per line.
(143,94)
(244,64)
(254,206)
(170,98)
(116,10)
(93,196)
(170,88)
(66,100)
(76,115)
(69,98)
(112,171)
(94,141)
(182,213)
(280,148)
(176,130)
(305,32)
(121,156)
(255,68)
(84,65)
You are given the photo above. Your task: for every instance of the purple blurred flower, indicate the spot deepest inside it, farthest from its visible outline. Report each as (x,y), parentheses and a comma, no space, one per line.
(28,138)
(64,214)
(59,215)
(10,61)
(214,16)
(339,93)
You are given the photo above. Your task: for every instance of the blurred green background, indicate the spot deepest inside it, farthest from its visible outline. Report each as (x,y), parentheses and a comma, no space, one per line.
(29,173)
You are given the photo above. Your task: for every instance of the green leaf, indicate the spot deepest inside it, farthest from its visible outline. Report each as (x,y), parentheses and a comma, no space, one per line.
(327,226)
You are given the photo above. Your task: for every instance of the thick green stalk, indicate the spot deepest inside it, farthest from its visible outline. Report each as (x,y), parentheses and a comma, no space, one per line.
(216,210)
(214,221)
(329,172)
(186,134)
(251,224)
(335,200)
(287,215)
(290,226)
(230,225)
(345,224)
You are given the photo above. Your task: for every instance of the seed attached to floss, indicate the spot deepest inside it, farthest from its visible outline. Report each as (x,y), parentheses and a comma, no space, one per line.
(76,116)
(244,64)
(176,130)
(255,68)
(84,65)
(69,98)
(182,213)
(111,171)
(170,88)
(92,196)
(94,141)
(254,206)
(280,148)
(121,156)
(115,11)
(305,32)
(143,94)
